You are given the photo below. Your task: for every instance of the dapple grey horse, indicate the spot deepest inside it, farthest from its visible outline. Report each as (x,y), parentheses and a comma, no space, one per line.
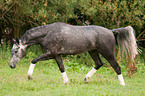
(63,39)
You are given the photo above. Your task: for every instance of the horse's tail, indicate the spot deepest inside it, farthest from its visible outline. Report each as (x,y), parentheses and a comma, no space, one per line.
(127,41)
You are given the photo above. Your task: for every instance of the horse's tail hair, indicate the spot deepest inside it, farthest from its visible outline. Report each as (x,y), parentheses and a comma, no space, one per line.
(127,41)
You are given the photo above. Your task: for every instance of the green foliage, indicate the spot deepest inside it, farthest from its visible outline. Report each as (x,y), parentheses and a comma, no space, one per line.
(142,56)
(25,14)
(5,51)
(114,14)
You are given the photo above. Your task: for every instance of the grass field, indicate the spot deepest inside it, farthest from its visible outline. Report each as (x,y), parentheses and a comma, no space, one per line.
(48,80)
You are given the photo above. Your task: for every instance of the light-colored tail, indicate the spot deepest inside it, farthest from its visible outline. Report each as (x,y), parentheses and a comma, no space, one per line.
(127,41)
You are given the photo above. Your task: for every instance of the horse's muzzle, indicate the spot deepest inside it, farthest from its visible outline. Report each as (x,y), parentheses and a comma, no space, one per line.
(12,66)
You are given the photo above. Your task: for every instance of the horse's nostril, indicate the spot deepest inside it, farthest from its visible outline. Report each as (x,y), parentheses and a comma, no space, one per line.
(12,66)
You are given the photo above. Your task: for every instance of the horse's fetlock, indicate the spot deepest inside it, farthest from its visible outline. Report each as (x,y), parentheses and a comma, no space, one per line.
(33,61)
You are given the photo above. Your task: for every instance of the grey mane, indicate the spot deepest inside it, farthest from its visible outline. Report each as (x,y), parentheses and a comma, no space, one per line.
(36,32)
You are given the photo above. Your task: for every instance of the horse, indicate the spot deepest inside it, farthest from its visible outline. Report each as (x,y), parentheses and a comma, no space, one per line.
(63,39)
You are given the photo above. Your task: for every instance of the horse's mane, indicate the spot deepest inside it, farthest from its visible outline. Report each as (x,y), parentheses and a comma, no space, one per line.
(34,33)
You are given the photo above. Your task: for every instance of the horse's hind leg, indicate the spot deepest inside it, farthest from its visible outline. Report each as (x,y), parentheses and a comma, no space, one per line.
(61,67)
(98,63)
(110,57)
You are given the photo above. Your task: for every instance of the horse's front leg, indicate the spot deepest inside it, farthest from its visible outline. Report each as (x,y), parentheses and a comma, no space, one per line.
(61,67)
(34,61)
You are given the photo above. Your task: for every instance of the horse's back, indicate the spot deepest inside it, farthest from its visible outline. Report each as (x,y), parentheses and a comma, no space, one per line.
(77,39)
(70,39)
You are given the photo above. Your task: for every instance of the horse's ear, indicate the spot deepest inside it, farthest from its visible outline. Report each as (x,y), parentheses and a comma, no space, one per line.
(17,41)
(13,40)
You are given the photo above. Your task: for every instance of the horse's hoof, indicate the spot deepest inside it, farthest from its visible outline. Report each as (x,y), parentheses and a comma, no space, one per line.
(123,84)
(30,77)
(86,80)
(65,82)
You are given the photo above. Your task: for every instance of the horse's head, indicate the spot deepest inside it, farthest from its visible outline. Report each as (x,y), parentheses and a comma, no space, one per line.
(18,52)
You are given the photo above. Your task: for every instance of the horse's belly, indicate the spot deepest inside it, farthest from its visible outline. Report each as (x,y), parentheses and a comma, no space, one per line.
(76,49)
(72,52)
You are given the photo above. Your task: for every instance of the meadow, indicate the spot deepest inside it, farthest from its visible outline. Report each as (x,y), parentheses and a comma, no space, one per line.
(48,80)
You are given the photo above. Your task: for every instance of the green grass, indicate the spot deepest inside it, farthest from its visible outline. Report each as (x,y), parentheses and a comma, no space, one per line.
(48,80)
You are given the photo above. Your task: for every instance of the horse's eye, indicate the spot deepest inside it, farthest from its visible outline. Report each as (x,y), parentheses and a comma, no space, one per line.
(16,51)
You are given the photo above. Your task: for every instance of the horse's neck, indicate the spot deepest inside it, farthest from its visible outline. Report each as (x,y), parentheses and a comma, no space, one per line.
(32,38)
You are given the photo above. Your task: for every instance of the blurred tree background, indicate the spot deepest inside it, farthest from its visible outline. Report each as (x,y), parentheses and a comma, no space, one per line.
(17,16)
